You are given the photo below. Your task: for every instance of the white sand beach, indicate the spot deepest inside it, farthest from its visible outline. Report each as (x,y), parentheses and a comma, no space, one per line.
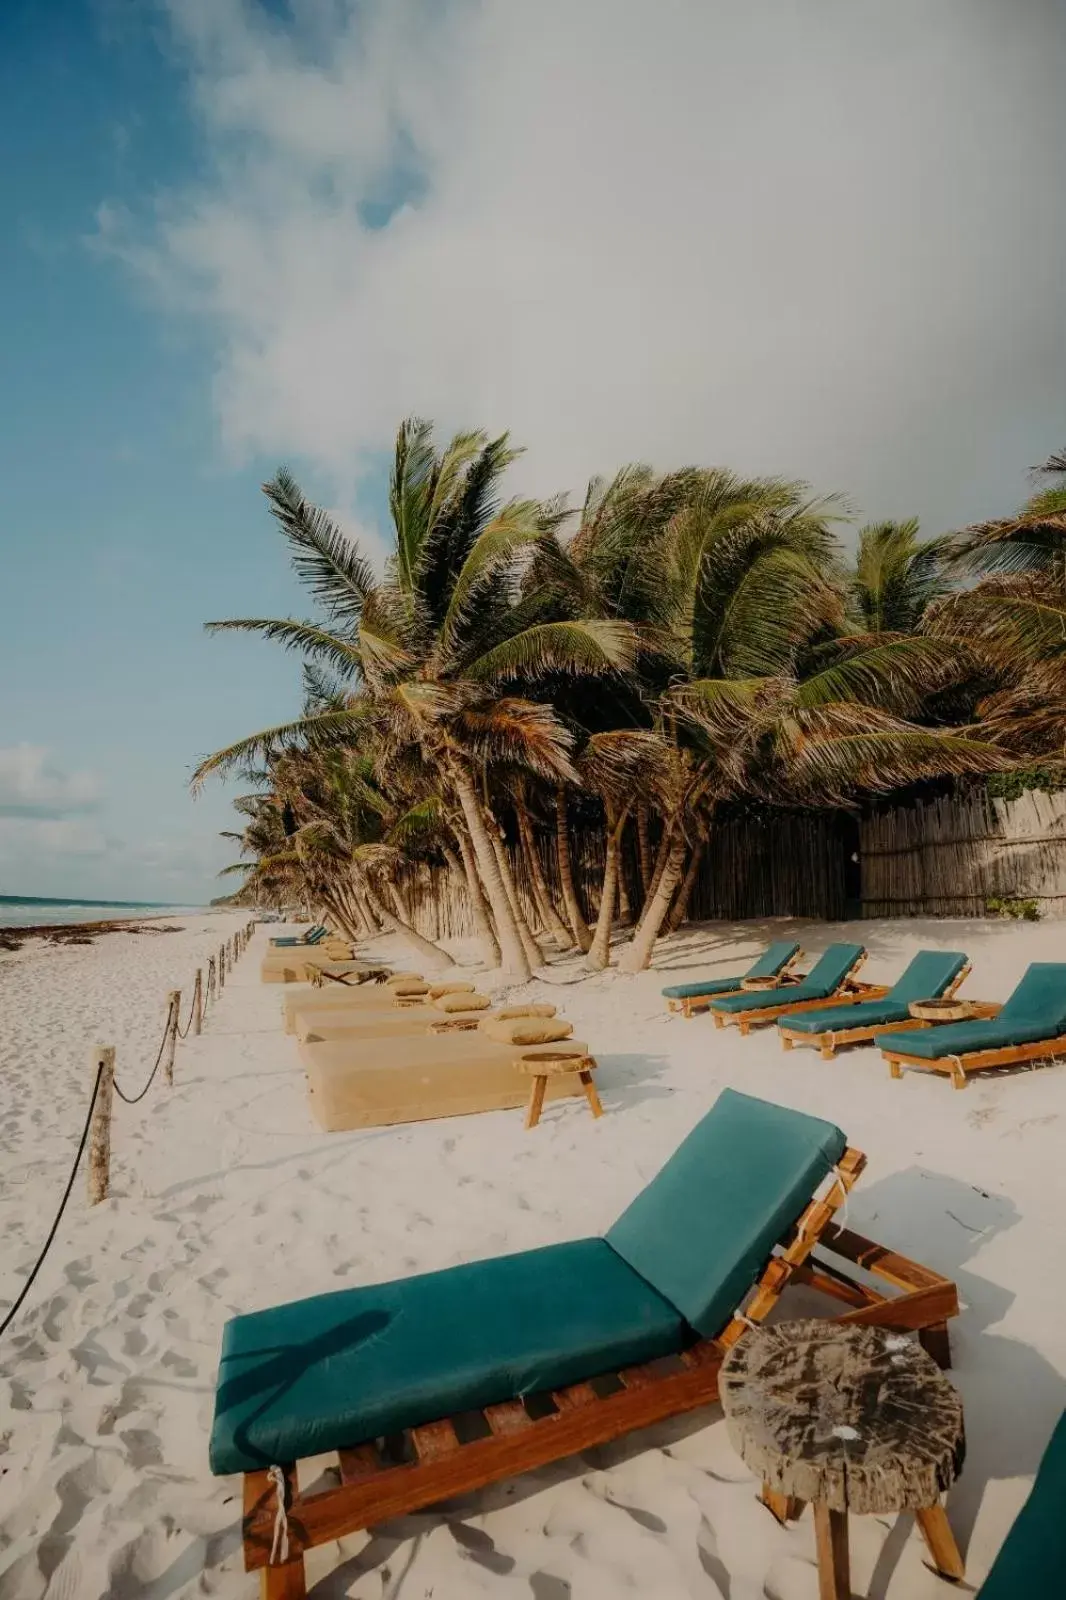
(227,1198)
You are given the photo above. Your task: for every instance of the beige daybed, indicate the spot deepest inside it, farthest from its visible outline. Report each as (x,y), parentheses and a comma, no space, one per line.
(415,1079)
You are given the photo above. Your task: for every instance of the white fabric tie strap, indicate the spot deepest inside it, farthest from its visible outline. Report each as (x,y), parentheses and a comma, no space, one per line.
(844,1196)
(279,1550)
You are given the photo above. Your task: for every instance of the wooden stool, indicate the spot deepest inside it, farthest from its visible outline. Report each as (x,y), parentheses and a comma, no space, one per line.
(852,1419)
(551,1059)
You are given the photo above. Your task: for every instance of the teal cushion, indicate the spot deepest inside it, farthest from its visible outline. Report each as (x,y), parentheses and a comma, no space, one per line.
(823,980)
(769,964)
(864,1014)
(704,1228)
(342,1368)
(1041,994)
(1032,1561)
(964,1038)
(928,975)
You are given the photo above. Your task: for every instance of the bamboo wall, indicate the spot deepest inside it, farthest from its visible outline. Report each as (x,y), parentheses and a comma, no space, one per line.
(948,857)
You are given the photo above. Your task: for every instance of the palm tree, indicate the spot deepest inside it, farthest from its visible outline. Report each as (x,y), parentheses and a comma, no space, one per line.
(896,576)
(427,657)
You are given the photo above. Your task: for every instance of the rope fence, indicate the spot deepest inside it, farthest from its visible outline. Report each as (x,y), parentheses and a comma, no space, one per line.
(96,1131)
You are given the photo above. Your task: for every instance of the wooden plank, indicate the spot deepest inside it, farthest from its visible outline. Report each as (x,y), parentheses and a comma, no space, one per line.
(435,1440)
(510,1416)
(885,1264)
(831,1539)
(359,1463)
(575,1397)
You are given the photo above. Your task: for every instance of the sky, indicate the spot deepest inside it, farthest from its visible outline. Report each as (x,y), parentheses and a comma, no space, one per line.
(820,238)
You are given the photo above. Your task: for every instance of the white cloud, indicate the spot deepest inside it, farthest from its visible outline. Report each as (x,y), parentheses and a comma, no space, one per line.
(25,839)
(33,786)
(824,239)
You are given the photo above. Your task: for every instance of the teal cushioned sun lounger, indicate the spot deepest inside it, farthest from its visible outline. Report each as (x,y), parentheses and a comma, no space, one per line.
(823,981)
(1032,1562)
(1035,1011)
(314,937)
(929,974)
(329,1372)
(772,962)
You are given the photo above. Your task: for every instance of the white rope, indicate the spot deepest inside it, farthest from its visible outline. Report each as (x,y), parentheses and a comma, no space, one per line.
(738,1316)
(844,1193)
(279,1550)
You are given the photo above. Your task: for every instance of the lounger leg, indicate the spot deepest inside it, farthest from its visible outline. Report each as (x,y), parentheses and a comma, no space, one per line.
(895,1070)
(719,1020)
(958,1075)
(936,1342)
(786,1042)
(590,1093)
(283,1583)
(743,1029)
(785,1507)
(834,1566)
(536,1101)
(828,1050)
(936,1531)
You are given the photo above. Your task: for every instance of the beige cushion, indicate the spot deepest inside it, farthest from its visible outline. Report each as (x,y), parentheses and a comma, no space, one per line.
(403,977)
(538,1008)
(526,1030)
(437,989)
(409,989)
(462,1002)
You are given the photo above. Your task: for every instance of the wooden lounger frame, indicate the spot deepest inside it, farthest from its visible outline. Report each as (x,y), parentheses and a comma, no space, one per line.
(830,1041)
(958,1067)
(455,1455)
(848,993)
(688,1005)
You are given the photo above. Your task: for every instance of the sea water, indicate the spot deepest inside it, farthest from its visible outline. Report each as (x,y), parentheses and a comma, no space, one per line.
(30,911)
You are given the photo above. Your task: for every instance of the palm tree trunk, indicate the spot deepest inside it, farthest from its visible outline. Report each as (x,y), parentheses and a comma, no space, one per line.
(466,871)
(534,954)
(553,922)
(644,847)
(575,916)
(625,909)
(512,952)
(599,955)
(637,954)
(392,924)
(679,911)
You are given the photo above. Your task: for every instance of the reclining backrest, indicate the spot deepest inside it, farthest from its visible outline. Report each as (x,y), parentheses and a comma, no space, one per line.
(703,1229)
(927,975)
(832,967)
(316,934)
(773,958)
(1041,996)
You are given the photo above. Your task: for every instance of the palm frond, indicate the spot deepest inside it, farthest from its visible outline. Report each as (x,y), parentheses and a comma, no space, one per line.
(325,559)
(520,733)
(308,637)
(320,729)
(894,674)
(576,649)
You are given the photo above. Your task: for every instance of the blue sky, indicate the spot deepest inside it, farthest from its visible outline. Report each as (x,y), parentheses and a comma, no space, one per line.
(823,239)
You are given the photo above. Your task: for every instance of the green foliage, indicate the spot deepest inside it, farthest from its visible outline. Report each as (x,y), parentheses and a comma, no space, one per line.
(1015,910)
(1013,784)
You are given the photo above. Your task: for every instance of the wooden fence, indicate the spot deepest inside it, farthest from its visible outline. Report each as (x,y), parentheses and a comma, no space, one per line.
(948,857)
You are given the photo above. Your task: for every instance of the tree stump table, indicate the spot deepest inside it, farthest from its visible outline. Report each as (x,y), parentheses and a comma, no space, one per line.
(851,1419)
(545,1062)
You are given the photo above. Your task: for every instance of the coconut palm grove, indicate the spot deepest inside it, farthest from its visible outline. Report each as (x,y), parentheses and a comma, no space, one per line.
(526,678)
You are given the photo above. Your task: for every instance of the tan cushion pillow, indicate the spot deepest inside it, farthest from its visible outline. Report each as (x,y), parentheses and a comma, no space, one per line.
(411,988)
(437,989)
(537,1008)
(462,1002)
(526,1030)
(404,977)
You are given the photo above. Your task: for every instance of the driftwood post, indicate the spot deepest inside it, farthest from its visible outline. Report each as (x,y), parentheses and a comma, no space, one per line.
(221,967)
(210,977)
(103,1063)
(172,1035)
(198,1001)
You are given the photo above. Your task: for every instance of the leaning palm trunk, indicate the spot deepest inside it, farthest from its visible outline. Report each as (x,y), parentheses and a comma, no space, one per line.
(465,871)
(679,911)
(637,954)
(392,924)
(644,848)
(599,955)
(512,951)
(575,915)
(338,914)
(553,922)
(625,909)
(534,954)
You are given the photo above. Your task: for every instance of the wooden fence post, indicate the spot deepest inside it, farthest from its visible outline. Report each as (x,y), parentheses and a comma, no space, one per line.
(221,967)
(198,1002)
(210,977)
(103,1062)
(172,1035)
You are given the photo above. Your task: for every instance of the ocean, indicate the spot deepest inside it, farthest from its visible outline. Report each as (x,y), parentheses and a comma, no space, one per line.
(31,911)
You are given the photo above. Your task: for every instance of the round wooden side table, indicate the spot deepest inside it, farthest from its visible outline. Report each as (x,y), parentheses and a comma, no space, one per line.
(547,1060)
(852,1419)
(943,1010)
(754,985)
